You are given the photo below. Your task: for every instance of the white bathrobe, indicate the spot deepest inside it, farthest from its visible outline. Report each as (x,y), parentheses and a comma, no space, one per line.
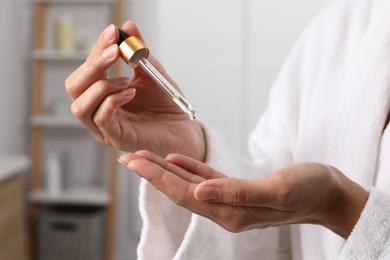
(328,105)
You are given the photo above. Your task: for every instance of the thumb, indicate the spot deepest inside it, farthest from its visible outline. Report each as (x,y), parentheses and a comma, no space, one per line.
(234,191)
(131,29)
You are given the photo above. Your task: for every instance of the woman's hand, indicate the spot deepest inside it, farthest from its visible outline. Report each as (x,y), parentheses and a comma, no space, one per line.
(129,114)
(302,193)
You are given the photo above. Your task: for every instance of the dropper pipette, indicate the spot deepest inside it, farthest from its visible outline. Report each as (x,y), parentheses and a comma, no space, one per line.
(135,53)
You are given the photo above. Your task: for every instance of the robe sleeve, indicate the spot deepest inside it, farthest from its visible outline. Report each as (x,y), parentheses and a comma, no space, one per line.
(370,236)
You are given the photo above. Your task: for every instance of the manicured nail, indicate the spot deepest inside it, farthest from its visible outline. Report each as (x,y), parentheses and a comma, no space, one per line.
(109,32)
(207,193)
(110,52)
(122,81)
(128,92)
(120,160)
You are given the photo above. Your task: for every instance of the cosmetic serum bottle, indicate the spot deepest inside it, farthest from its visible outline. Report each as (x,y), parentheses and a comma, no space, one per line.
(134,52)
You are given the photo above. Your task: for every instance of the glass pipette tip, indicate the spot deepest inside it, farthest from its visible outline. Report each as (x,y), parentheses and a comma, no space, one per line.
(135,53)
(167,87)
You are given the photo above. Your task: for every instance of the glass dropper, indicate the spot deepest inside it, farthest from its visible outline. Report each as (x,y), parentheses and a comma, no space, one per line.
(135,54)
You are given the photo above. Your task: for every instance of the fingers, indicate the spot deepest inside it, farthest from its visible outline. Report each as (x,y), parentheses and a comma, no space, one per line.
(176,188)
(102,56)
(89,108)
(96,98)
(197,167)
(178,171)
(237,192)
(231,217)
(181,191)
(107,117)
(89,101)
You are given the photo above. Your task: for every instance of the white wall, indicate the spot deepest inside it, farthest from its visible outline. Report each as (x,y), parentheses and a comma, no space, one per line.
(273,27)
(200,43)
(14,74)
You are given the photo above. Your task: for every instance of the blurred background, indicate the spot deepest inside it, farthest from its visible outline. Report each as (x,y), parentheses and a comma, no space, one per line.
(62,195)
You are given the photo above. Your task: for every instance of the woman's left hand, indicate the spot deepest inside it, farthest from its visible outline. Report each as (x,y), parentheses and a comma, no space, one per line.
(310,193)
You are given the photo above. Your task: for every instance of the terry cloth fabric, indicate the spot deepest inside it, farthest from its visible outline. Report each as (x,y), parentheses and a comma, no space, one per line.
(328,105)
(370,237)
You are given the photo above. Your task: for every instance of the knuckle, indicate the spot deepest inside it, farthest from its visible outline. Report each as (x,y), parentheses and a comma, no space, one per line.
(102,117)
(102,86)
(77,110)
(70,86)
(179,197)
(239,197)
(233,228)
(285,189)
(236,225)
(91,65)
(285,195)
(100,120)
(179,200)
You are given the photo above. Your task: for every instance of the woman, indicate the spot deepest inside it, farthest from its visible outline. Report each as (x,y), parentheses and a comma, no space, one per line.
(318,151)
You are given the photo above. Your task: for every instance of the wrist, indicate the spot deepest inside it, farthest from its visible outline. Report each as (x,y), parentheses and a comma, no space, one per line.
(345,205)
(200,143)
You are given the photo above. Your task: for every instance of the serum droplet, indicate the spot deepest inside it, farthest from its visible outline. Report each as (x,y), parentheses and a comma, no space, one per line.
(192,114)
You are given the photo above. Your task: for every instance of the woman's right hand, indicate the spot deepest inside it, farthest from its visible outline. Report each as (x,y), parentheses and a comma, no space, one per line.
(130,114)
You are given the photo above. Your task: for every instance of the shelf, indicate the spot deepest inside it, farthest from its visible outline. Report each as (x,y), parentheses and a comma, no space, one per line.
(55,121)
(54,55)
(80,197)
(11,165)
(76,1)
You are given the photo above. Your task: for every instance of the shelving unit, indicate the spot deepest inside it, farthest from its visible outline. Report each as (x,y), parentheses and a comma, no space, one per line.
(53,55)
(77,1)
(55,121)
(14,233)
(43,122)
(76,197)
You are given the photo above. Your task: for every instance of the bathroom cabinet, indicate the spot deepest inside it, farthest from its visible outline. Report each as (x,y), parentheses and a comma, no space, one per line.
(13,214)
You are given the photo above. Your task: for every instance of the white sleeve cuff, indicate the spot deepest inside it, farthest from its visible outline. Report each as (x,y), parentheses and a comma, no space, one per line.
(370,237)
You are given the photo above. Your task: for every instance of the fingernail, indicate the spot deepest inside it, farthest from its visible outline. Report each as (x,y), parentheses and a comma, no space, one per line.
(121,161)
(207,193)
(109,32)
(122,81)
(128,92)
(110,52)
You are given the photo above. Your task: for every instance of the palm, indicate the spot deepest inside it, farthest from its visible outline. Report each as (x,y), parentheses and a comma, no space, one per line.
(151,120)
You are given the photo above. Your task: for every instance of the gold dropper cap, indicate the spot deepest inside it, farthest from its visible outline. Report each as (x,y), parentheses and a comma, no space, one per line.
(131,49)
